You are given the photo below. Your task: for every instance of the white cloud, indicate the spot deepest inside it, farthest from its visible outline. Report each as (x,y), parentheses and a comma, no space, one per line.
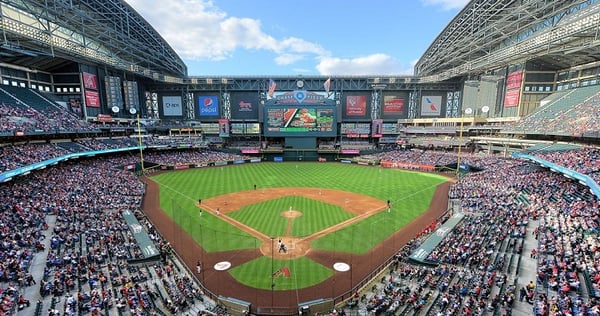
(374,64)
(288,59)
(197,30)
(447,4)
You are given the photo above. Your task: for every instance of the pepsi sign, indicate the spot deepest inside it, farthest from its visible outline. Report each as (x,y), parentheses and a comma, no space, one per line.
(208,105)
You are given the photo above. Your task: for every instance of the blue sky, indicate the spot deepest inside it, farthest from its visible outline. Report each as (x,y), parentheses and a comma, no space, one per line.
(290,38)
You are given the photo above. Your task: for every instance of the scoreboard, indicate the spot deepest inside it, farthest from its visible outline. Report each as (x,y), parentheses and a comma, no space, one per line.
(300,121)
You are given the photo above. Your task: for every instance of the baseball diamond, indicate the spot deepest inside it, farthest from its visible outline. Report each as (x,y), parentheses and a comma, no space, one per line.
(300,247)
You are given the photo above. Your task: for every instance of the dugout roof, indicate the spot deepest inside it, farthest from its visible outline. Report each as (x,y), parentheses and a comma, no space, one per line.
(490,34)
(46,35)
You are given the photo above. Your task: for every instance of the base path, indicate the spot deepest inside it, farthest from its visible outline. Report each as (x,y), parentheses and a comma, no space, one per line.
(222,283)
(358,204)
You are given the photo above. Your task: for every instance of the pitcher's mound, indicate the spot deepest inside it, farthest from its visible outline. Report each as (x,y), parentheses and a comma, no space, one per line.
(291,214)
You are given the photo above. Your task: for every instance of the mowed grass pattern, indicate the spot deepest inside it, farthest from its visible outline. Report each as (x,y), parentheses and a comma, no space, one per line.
(409,192)
(267,217)
(302,273)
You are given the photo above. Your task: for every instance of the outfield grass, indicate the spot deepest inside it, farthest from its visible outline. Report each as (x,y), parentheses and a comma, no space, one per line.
(409,192)
(303,273)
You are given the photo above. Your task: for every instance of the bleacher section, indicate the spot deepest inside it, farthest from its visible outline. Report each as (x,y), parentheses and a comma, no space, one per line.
(571,113)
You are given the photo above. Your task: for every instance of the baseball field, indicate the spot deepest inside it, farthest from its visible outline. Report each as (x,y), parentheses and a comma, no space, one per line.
(287,227)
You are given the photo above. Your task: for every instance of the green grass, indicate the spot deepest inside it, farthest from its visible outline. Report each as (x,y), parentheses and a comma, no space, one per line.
(303,273)
(409,192)
(316,216)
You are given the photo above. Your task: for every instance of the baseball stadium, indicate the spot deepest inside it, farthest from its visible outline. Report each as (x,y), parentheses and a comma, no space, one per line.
(470,187)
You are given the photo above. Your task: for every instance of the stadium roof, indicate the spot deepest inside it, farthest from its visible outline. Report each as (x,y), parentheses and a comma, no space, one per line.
(490,34)
(45,35)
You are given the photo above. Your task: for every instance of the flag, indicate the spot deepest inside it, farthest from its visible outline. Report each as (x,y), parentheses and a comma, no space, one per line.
(327,85)
(272,86)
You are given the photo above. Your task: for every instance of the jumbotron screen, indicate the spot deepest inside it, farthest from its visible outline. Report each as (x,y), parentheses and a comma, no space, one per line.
(300,121)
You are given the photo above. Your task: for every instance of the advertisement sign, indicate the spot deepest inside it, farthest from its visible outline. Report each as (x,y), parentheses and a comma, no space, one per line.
(393,105)
(514,80)
(223,127)
(104,118)
(300,97)
(244,106)
(431,105)
(356,105)
(377,128)
(512,97)
(172,106)
(92,99)
(208,105)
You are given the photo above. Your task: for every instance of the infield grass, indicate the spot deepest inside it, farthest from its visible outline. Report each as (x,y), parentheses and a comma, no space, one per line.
(409,192)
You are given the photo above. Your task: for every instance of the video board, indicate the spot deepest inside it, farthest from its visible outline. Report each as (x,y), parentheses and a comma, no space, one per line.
(300,121)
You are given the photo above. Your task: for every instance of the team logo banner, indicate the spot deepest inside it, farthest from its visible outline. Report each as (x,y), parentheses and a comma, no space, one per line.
(431,105)
(90,81)
(208,105)
(172,106)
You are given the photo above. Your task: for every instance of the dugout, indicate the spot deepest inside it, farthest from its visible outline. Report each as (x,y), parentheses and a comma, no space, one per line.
(320,305)
(234,306)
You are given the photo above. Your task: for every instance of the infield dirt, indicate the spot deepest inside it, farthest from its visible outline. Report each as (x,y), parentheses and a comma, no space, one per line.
(222,283)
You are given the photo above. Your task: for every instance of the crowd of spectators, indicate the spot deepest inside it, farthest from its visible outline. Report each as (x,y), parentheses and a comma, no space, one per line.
(575,113)
(433,158)
(89,244)
(18,117)
(74,209)
(176,157)
(585,160)
(482,247)
(20,155)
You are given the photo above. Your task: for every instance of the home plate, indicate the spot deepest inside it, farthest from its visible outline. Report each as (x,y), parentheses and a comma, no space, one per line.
(222,266)
(341,266)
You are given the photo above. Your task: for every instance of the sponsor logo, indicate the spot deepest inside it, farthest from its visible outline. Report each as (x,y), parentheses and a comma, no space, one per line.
(245,106)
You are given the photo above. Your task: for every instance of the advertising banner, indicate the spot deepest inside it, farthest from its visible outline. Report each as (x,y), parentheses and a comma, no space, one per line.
(223,127)
(356,105)
(172,106)
(393,105)
(92,99)
(377,128)
(244,106)
(512,97)
(208,105)
(431,105)
(514,80)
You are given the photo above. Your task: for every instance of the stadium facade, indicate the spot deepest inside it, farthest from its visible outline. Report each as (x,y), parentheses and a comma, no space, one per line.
(499,68)
(498,59)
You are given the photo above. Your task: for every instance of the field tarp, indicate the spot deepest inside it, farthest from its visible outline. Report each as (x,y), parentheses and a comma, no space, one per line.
(149,250)
(420,255)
